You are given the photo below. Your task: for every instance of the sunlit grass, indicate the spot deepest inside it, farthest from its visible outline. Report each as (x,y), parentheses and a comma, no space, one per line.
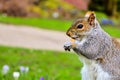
(55,65)
(53,24)
(113,31)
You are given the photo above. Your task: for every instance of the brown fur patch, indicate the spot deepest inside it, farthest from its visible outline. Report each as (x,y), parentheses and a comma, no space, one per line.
(89,13)
(86,22)
(100,60)
(116,42)
(85,26)
(91,17)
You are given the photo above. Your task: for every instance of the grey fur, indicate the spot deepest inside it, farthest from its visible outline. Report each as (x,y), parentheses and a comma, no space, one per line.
(99,44)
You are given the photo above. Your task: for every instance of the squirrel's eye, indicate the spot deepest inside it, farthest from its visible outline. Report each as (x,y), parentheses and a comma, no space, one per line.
(80,26)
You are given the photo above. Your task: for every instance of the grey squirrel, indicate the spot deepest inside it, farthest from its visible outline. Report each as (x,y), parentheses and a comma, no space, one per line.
(98,51)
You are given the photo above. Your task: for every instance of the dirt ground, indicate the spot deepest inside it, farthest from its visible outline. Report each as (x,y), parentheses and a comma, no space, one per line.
(29,37)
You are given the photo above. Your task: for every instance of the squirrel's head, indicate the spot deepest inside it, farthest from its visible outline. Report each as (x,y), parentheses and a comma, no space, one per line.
(82,26)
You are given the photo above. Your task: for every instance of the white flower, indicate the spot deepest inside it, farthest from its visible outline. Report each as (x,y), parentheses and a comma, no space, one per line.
(5,69)
(55,15)
(16,75)
(26,69)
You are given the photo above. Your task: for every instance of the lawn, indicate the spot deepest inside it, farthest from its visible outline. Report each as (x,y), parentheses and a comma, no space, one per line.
(115,32)
(53,24)
(51,65)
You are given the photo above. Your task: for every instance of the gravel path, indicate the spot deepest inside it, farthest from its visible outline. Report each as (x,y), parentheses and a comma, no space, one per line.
(29,37)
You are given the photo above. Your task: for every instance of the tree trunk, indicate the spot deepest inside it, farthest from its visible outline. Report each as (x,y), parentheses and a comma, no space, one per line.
(111,7)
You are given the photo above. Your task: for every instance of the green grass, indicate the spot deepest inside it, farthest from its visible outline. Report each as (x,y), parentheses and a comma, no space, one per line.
(115,32)
(56,65)
(101,15)
(53,24)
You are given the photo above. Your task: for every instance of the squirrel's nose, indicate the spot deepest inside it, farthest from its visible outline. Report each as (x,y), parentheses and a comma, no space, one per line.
(68,34)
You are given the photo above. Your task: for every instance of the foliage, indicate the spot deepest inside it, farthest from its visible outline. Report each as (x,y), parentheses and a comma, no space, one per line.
(54,4)
(34,8)
(48,64)
(96,5)
(48,7)
(110,7)
(14,7)
(118,5)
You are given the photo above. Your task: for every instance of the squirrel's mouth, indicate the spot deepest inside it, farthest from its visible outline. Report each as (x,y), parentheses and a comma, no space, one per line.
(79,38)
(74,37)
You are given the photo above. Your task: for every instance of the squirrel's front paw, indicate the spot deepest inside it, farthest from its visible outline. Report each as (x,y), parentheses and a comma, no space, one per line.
(67,46)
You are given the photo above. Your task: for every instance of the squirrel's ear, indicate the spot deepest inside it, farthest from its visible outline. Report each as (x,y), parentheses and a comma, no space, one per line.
(90,17)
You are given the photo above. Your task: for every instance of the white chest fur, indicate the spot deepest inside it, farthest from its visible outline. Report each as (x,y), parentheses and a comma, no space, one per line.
(92,71)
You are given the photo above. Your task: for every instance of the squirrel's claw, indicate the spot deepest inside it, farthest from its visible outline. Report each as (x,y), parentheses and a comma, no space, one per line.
(67,46)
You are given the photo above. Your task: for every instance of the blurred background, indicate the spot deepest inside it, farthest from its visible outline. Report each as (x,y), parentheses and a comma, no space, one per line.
(32,34)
